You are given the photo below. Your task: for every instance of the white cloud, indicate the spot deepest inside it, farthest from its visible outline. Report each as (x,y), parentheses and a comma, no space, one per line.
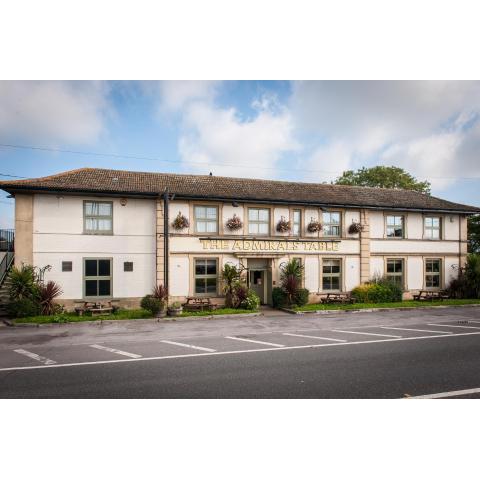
(176,95)
(53,113)
(247,147)
(430,128)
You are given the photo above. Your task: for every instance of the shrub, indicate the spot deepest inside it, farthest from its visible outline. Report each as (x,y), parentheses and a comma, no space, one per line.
(467,284)
(160,292)
(23,307)
(48,292)
(279,297)
(291,278)
(152,304)
(23,283)
(230,276)
(252,302)
(301,297)
(378,291)
(240,293)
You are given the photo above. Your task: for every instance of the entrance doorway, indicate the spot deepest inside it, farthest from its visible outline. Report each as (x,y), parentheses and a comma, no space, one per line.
(258,284)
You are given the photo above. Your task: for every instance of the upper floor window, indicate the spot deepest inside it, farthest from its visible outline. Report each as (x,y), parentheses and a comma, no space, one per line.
(331,224)
(394,226)
(258,221)
(206,219)
(431,228)
(98,217)
(297,222)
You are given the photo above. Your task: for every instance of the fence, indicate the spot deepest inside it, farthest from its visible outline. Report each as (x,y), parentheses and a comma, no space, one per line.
(7,243)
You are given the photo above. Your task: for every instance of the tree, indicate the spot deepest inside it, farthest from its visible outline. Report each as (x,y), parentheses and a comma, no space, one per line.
(384,177)
(474,234)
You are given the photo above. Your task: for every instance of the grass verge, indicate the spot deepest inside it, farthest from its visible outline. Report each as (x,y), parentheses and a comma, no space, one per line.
(405,304)
(73,317)
(219,311)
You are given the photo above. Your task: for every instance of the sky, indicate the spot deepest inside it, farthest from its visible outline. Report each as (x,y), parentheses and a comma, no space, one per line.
(304,131)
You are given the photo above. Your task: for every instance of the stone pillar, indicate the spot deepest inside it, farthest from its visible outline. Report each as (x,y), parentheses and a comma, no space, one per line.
(23,229)
(364,246)
(160,219)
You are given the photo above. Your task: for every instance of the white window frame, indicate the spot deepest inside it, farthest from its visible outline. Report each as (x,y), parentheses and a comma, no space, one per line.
(329,224)
(394,225)
(86,217)
(259,222)
(428,230)
(205,219)
(297,225)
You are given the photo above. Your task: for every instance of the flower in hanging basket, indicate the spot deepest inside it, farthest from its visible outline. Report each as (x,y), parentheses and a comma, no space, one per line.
(283,226)
(355,227)
(234,223)
(180,222)
(314,226)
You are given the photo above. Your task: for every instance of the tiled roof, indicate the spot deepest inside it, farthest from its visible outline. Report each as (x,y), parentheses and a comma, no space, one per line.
(91,180)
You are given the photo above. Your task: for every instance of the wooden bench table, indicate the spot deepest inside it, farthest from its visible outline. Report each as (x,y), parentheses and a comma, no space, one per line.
(199,303)
(338,298)
(95,309)
(431,295)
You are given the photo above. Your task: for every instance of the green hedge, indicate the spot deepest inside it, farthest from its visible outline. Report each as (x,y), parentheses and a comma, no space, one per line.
(379,291)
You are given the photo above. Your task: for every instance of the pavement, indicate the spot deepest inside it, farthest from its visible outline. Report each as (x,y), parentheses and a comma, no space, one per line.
(393,354)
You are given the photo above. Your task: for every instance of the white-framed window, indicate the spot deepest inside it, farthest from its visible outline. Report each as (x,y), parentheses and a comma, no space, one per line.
(297,223)
(331,224)
(394,226)
(98,217)
(206,276)
(97,277)
(433,268)
(258,221)
(432,228)
(206,219)
(331,274)
(395,270)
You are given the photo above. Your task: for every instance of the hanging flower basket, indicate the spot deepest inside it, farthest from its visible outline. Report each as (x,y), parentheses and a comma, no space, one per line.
(234,223)
(355,227)
(283,226)
(314,226)
(180,222)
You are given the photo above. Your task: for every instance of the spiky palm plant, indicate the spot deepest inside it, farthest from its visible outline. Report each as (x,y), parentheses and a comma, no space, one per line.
(291,274)
(23,283)
(48,292)
(230,275)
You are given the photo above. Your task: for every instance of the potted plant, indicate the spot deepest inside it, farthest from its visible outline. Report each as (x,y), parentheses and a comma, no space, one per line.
(152,304)
(234,223)
(283,226)
(181,222)
(314,226)
(160,292)
(175,309)
(355,227)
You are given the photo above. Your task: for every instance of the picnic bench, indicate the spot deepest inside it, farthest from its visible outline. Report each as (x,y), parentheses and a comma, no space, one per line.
(96,308)
(199,303)
(431,295)
(338,298)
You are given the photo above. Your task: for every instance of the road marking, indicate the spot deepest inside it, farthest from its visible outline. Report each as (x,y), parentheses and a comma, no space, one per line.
(39,358)
(453,393)
(415,330)
(236,352)
(313,336)
(472,321)
(452,326)
(205,349)
(366,333)
(114,350)
(255,341)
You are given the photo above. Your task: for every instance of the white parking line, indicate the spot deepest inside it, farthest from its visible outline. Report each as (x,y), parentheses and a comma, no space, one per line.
(255,341)
(205,349)
(39,358)
(452,326)
(453,393)
(415,330)
(367,333)
(114,350)
(313,336)
(237,352)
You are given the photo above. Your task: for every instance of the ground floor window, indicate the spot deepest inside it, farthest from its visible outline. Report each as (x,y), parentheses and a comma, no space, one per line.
(395,271)
(432,272)
(331,274)
(206,275)
(98,277)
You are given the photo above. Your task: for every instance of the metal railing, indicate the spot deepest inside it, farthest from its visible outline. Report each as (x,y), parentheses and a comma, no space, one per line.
(7,245)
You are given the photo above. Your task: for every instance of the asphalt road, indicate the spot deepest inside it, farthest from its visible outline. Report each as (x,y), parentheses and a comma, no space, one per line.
(419,353)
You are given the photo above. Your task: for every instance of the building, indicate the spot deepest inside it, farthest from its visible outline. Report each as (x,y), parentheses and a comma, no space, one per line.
(110,234)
